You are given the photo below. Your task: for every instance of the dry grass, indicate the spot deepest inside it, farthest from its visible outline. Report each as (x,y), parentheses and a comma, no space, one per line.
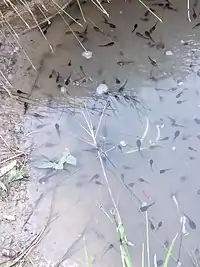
(27,15)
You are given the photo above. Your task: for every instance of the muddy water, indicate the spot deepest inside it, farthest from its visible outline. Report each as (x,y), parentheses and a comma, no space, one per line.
(158,106)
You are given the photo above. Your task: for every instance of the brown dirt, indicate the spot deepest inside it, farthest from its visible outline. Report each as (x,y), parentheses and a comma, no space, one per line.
(14,202)
(36,8)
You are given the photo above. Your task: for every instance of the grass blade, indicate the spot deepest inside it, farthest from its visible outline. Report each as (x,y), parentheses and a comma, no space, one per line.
(125,255)
(87,257)
(170,251)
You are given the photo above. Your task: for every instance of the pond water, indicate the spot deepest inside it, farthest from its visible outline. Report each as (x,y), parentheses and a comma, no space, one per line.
(146,128)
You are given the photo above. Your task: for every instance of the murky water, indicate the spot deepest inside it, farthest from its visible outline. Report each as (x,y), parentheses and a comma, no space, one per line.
(159,106)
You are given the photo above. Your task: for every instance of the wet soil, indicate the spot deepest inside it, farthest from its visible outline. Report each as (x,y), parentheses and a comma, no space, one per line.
(158,109)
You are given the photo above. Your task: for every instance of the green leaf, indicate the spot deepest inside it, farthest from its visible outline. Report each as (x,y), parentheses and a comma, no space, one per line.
(65,158)
(71,160)
(58,164)
(15,175)
(3,187)
(44,164)
(169,252)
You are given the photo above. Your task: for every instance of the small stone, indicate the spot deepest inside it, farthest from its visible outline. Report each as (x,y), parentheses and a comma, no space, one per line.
(102,88)
(63,90)
(87,54)
(123,143)
(169,53)
(9,253)
(179,83)
(16,49)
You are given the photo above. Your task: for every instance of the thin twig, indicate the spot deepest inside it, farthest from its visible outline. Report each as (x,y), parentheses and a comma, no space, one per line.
(102,114)
(86,141)
(180,245)
(50,17)
(9,234)
(27,250)
(142,260)
(34,18)
(33,209)
(5,2)
(85,130)
(101,161)
(15,9)
(5,142)
(6,79)
(188,10)
(149,9)
(8,25)
(100,7)
(43,6)
(106,213)
(13,157)
(81,10)
(38,6)
(147,239)
(73,32)
(6,89)
(66,13)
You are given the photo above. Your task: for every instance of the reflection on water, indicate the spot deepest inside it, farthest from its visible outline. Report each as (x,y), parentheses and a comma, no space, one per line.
(146,129)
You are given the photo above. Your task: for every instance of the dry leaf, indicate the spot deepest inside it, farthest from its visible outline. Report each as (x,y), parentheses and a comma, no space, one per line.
(3,187)
(9,217)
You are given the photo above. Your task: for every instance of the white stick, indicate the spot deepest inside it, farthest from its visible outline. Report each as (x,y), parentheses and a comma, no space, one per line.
(34,18)
(150,10)
(15,9)
(61,9)
(73,32)
(158,133)
(6,79)
(155,260)
(102,10)
(188,10)
(146,129)
(99,124)
(147,240)
(81,10)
